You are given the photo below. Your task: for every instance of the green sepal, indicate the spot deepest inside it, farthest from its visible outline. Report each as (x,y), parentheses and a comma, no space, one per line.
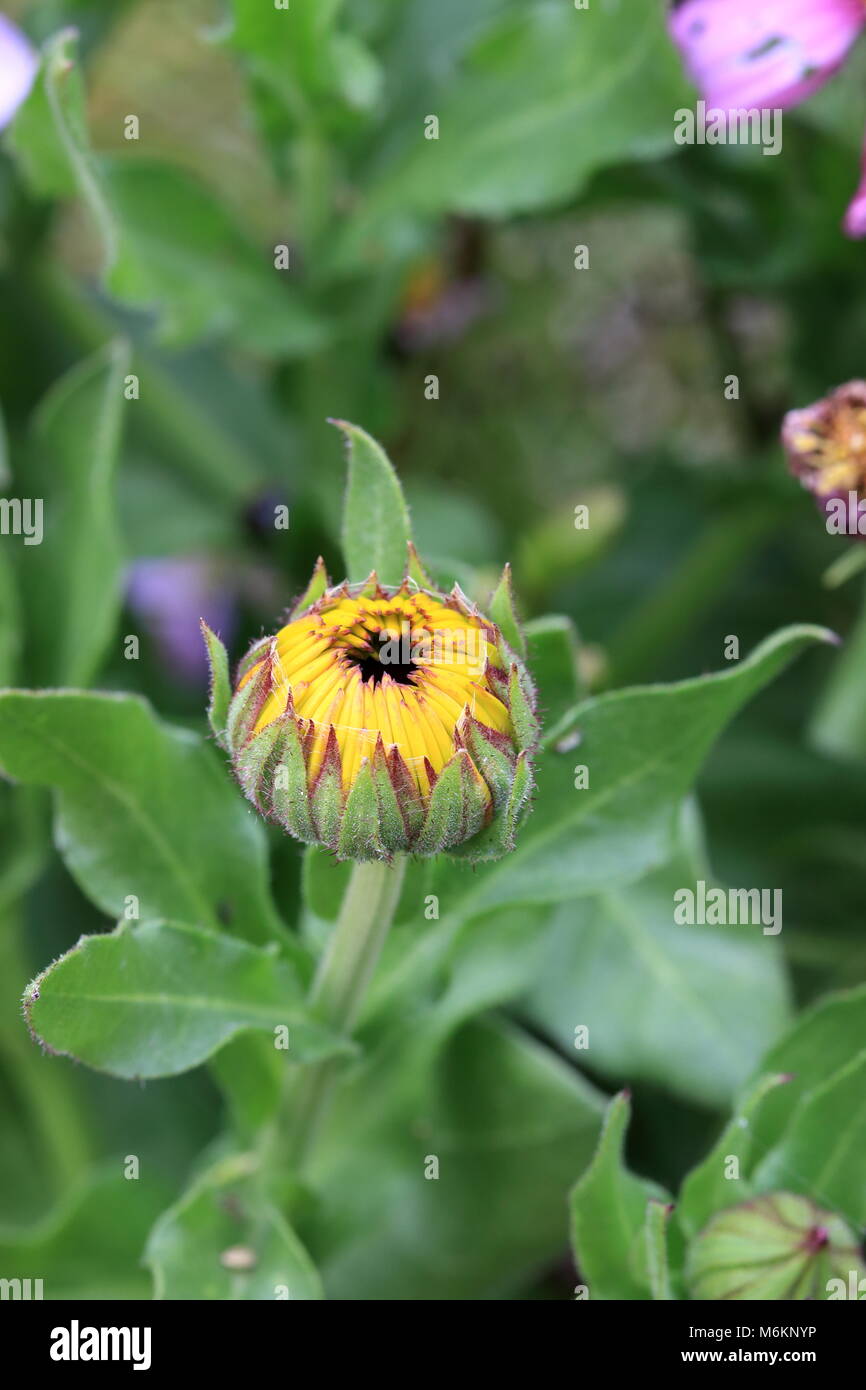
(317,586)
(253,765)
(521,707)
(257,652)
(359,829)
(288,791)
(396,827)
(457,809)
(504,614)
(246,706)
(415,570)
(493,755)
(497,838)
(393,771)
(519,800)
(369,588)
(326,796)
(220,684)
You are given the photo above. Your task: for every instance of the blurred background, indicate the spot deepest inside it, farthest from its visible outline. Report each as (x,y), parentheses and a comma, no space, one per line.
(409,260)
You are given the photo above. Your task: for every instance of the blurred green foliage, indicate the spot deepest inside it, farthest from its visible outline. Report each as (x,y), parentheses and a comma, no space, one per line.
(299,138)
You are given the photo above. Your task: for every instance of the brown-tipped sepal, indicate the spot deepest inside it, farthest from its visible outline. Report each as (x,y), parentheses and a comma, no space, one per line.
(316,589)
(327,795)
(458,808)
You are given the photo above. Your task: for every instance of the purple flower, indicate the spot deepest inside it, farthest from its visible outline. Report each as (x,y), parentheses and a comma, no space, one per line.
(18,65)
(171,596)
(745,54)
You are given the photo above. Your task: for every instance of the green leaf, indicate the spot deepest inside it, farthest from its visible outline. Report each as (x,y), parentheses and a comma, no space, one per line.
(89,1247)
(72,580)
(195,269)
(508,1123)
(143,810)
(643,748)
(838,725)
(191,264)
(690,1008)
(544,99)
(10,620)
(5,473)
(821,1151)
(711,1186)
(220,1242)
(376,529)
(656,1236)
(159,998)
(49,139)
(608,1213)
(551,644)
(818,1046)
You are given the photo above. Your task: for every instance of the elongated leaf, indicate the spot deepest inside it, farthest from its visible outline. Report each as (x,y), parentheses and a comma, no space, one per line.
(821,1151)
(819,1045)
(608,1214)
(552,655)
(10,620)
(507,1124)
(691,1008)
(656,1237)
(72,579)
(546,97)
(90,1245)
(642,748)
(159,998)
(221,1242)
(376,528)
(196,270)
(192,266)
(143,811)
(722,1178)
(49,139)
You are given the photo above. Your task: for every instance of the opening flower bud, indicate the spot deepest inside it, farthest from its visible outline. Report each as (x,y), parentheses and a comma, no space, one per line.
(781,1246)
(826,448)
(381,720)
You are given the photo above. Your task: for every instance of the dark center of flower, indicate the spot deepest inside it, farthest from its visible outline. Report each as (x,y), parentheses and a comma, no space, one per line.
(387,655)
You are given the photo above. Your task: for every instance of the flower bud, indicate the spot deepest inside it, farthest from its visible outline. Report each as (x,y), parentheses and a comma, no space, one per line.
(381,720)
(826,448)
(779,1246)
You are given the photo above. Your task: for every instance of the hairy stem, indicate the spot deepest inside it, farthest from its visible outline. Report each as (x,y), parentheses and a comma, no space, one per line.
(337,994)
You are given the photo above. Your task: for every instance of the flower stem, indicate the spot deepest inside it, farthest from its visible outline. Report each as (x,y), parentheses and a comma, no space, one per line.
(338,990)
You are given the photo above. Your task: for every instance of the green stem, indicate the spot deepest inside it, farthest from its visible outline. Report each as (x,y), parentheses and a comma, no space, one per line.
(337,994)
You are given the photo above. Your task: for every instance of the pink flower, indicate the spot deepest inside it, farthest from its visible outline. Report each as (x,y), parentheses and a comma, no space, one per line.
(18,65)
(745,54)
(826,448)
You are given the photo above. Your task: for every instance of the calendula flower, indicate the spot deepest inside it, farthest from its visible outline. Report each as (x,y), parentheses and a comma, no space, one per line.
(383,719)
(18,65)
(742,55)
(826,448)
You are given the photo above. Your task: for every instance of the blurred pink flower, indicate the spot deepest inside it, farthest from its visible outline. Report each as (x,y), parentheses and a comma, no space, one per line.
(18,64)
(745,54)
(826,448)
(171,596)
